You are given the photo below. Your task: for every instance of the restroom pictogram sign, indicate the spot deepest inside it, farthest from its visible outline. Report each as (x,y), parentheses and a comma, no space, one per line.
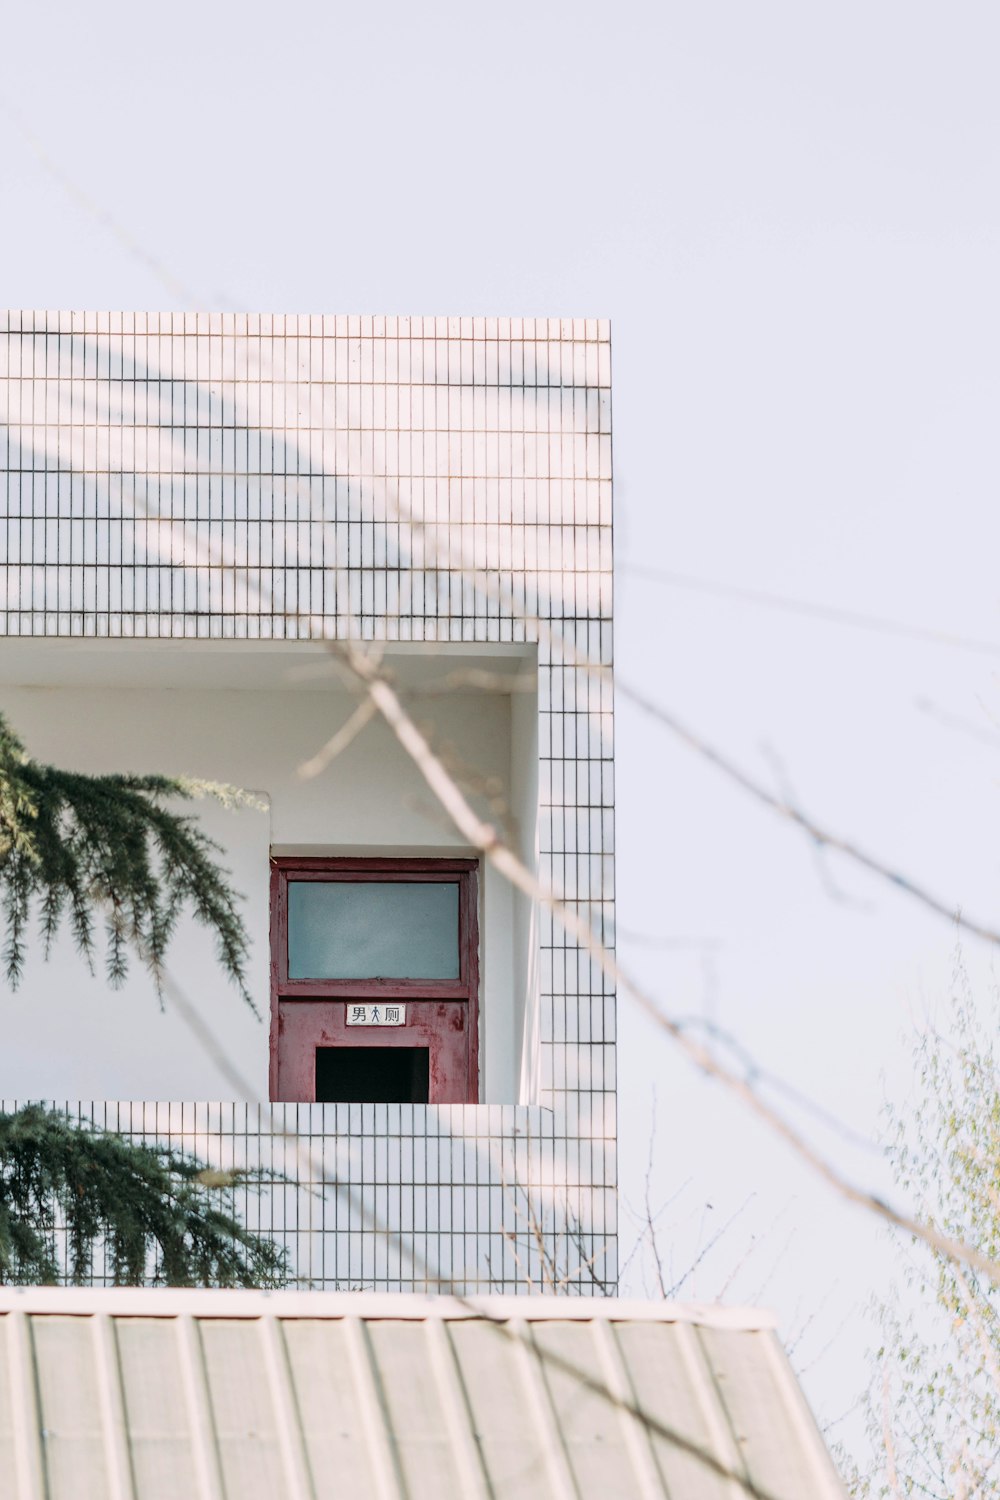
(376,1015)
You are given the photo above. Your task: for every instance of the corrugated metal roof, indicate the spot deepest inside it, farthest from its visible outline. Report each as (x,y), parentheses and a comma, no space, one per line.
(155,1395)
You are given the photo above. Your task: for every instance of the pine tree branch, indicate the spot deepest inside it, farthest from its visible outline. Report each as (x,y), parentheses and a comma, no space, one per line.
(158,1214)
(82,848)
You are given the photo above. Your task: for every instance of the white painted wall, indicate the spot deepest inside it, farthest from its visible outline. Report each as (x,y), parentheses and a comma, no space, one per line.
(131,706)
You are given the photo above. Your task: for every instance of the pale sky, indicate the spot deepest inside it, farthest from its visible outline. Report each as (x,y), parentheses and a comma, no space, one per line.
(791,215)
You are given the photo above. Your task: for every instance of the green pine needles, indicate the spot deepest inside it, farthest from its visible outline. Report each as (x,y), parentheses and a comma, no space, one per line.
(160,1217)
(106,850)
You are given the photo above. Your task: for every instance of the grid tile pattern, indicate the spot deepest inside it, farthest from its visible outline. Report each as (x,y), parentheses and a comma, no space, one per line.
(461,1199)
(424,479)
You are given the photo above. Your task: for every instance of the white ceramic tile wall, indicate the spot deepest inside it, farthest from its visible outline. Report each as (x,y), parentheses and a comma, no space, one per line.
(420,479)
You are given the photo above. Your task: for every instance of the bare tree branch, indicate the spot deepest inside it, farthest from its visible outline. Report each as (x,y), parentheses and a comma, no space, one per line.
(831,613)
(483,836)
(958,723)
(619,1401)
(338,743)
(182,295)
(650,1229)
(652,940)
(888,1440)
(453,555)
(819,835)
(761,1076)
(710,1244)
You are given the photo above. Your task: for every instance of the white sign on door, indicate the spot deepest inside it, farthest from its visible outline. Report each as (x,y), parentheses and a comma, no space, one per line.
(376,1015)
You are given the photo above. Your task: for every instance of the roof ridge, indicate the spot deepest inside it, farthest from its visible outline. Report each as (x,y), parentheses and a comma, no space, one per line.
(169,1302)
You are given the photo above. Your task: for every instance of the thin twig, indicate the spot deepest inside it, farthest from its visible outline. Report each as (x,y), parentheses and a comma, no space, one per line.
(754,1073)
(957,722)
(650,1221)
(831,613)
(672,1292)
(888,1442)
(819,835)
(338,743)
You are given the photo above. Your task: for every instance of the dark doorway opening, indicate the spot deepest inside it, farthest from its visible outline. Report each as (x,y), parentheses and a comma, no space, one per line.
(372,1075)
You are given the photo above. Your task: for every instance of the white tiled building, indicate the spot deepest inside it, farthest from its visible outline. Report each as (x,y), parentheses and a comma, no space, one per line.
(192,504)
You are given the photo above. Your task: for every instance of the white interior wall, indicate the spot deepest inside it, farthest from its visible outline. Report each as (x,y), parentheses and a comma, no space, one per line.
(118,706)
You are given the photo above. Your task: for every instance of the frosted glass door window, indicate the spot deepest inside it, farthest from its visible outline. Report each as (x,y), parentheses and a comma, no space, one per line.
(372,929)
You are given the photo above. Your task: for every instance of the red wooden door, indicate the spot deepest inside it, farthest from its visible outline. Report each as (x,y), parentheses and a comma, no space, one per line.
(432,1057)
(307,1027)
